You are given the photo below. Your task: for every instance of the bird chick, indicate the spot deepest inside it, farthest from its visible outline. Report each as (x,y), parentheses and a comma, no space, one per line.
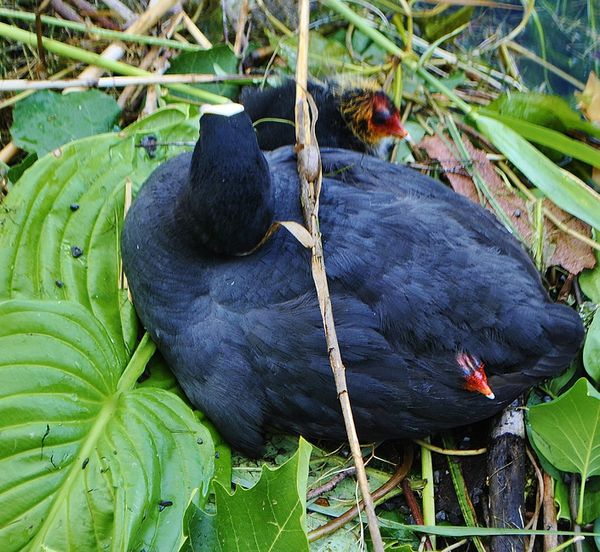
(352,114)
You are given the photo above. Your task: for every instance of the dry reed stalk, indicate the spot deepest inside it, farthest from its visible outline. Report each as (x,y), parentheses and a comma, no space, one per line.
(309,170)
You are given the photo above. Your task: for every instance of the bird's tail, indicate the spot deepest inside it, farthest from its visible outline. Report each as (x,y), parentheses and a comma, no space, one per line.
(564,331)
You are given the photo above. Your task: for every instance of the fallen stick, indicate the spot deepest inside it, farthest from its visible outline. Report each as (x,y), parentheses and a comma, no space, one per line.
(9,85)
(506,478)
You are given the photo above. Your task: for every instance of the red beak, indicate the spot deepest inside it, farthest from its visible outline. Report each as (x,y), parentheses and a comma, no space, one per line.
(395,128)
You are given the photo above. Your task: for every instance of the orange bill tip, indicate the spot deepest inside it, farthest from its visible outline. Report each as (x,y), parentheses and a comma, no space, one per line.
(475,376)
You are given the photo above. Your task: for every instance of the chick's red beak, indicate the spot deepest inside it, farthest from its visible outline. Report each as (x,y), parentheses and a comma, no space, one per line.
(394,126)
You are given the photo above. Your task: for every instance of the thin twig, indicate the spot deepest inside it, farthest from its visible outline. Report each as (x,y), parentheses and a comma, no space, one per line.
(121,9)
(549,516)
(398,476)
(196,33)
(85,8)
(539,499)
(413,506)
(121,82)
(449,452)
(309,170)
(331,484)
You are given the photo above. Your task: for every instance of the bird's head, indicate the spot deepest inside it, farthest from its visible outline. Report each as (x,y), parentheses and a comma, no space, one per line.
(371,115)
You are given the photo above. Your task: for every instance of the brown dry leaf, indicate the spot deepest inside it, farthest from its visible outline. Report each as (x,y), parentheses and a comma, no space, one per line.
(560,248)
(589,99)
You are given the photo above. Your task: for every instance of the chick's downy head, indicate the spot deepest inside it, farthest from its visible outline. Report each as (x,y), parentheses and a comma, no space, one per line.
(371,115)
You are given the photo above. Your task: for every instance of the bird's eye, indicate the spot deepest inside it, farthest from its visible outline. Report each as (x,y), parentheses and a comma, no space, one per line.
(380,116)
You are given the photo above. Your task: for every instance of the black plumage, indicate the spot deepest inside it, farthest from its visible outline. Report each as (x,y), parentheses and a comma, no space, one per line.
(418,275)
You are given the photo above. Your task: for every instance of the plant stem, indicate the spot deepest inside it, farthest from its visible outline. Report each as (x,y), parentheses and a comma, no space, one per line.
(120,82)
(428,490)
(91,58)
(135,368)
(99,31)
(310,176)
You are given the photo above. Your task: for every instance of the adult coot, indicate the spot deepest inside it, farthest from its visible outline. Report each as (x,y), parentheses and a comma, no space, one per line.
(429,293)
(353,114)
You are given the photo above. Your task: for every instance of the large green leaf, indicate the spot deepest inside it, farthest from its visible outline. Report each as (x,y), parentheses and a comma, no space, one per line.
(567,432)
(269,516)
(551,139)
(542,109)
(591,349)
(88,462)
(563,188)
(46,120)
(219,60)
(73,198)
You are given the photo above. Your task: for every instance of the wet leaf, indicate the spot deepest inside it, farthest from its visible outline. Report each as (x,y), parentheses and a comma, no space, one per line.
(46,120)
(566,431)
(85,457)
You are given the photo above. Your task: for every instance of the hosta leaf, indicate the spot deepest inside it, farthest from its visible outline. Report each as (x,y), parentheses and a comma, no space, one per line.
(269,516)
(88,462)
(46,120)
(567,432)
(73,198)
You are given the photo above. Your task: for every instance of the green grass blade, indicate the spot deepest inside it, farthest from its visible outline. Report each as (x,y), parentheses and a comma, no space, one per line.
(550,138)
(563,188)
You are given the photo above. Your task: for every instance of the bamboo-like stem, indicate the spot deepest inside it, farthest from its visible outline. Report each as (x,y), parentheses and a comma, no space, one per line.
(100,31)
(196,33)
(309,170)
(120,82)
(97,60)
(428,491)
